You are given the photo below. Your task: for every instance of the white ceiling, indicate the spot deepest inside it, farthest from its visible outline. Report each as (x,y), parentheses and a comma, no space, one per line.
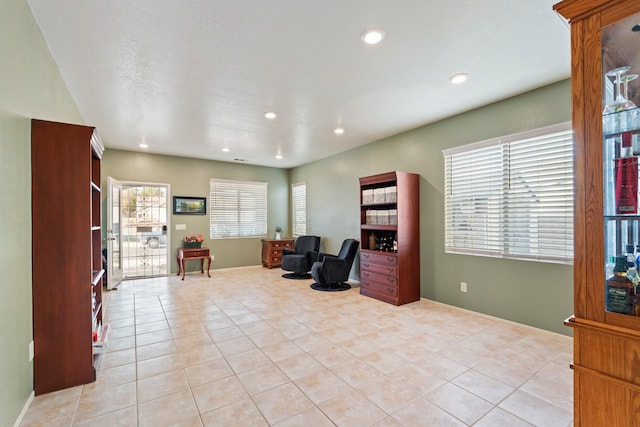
(189,77)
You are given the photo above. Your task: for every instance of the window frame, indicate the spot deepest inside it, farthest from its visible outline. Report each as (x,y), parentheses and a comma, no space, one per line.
(298,226)
(527,211)
(230,208)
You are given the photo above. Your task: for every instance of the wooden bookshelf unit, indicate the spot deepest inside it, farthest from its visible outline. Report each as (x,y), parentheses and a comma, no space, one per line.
(67,271)
(390,212)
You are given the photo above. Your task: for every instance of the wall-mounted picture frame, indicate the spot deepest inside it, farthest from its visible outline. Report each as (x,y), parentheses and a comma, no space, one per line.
(189,205)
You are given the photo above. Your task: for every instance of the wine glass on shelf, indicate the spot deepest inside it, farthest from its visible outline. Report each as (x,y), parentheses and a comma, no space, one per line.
(612,123)
(619,101)
(628,104)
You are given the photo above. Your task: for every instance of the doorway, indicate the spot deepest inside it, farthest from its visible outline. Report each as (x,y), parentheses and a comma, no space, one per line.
(141,248)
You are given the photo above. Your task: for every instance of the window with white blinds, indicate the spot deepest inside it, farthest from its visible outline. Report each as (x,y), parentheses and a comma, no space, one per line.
(237,209)
(299,208)
(512,197)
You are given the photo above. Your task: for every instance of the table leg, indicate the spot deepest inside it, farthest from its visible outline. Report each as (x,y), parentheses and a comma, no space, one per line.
(178,259)
(201,265)
(182,268)
(208,266)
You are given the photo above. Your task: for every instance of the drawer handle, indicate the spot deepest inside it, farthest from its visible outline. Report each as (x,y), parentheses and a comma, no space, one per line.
(390,259)
(366,264)
(390,290)
(365,255)
(365,273)
(390,269)
(391,279)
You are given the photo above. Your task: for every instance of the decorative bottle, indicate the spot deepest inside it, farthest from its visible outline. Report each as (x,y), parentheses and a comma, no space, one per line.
(620,289)
(626,178)
(372,241)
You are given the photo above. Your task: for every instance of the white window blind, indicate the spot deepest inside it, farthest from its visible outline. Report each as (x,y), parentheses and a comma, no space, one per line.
(299,208)
(237,209)
(512,197)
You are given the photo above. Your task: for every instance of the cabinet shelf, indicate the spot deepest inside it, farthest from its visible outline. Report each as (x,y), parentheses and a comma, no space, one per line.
(96,312)
(622,217)
(380,227)
(379,205)
(97,275)
(615,124)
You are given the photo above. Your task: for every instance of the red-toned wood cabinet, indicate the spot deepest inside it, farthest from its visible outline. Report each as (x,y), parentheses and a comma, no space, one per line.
(66,256)
(390,237)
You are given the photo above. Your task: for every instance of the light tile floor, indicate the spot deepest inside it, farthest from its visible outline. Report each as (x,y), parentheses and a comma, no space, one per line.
(249,348)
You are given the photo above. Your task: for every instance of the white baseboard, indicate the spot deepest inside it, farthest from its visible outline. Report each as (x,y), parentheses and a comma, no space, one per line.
(24,409)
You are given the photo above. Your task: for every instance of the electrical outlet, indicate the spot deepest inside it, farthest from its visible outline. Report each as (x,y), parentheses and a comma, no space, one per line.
(31,351)
(463,286)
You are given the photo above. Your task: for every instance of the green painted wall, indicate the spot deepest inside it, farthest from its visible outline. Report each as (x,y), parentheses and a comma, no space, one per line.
(30,86)
(190,177)
(533,293)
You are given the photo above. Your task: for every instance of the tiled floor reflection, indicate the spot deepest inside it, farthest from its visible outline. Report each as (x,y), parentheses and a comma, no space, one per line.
(249,348)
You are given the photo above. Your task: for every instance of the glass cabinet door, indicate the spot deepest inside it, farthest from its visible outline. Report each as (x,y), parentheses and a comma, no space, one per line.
(621,151)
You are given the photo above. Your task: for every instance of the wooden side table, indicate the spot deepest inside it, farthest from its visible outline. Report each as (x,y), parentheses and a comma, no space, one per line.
(272,251)
(193,253)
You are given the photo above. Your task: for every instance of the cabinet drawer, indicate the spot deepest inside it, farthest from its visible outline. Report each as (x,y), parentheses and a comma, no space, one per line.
(387,270)
(378,258)
(381,288)
(379,278)
(191,253)
(275,245)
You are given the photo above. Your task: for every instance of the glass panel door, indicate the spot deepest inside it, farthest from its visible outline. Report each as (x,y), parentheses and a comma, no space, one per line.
(114,242)
(144,229)
(621,150)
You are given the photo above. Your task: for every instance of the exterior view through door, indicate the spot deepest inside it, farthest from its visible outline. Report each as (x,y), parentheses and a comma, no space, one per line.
(137,230)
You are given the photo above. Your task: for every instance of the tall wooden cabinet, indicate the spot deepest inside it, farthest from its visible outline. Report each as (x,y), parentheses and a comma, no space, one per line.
(390,237)
(67,258)
(605,36)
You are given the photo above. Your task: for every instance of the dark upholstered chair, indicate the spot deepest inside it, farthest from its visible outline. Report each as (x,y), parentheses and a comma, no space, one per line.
(331,271)
(300,259)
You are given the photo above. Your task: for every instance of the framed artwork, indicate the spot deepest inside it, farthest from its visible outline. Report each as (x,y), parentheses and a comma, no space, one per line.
(189,205)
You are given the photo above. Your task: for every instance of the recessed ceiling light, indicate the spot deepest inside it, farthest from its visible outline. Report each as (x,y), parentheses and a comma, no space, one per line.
(459,78)
(372,36)
(143,145)
(279,156)
(338,131)
(270,115)
(226,150)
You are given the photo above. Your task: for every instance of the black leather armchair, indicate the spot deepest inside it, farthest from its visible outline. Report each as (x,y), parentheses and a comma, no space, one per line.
(300,259)
(331,271)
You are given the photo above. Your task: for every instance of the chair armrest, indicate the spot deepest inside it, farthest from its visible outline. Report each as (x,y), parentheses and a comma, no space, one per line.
(322,256)
(287,251)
